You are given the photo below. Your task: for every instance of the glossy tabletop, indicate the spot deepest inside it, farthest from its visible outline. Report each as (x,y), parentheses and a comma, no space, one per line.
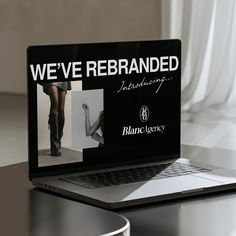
(211,215)
(28,211)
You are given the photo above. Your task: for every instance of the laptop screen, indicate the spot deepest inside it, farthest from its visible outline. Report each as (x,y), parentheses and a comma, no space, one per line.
(103,103)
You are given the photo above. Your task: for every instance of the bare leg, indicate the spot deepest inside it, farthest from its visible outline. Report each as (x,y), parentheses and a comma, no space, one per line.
(55,143)
(54,98)
(62,99)
(61,113)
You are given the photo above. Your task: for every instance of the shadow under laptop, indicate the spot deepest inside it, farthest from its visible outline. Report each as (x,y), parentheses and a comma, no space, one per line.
(51,215)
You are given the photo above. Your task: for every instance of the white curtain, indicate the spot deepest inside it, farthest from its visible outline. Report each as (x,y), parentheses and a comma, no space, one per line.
(207,29)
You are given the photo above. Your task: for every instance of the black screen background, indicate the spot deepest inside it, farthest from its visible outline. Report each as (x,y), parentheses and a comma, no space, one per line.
(119,108)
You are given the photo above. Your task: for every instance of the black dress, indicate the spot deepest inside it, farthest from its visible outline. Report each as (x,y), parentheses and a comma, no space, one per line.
(62,85)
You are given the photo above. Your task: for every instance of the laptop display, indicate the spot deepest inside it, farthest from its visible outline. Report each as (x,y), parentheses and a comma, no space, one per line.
(103,104)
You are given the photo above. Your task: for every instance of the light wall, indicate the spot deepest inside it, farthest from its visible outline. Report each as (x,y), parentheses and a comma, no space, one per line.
(24,23)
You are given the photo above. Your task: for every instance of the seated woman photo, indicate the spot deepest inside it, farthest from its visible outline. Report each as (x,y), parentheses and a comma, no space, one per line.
(91,130)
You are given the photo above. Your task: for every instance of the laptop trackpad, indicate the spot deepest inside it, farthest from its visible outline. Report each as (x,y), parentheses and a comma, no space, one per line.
(170,186)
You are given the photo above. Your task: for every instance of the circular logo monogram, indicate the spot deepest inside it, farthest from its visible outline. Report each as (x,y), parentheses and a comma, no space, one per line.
(144,113)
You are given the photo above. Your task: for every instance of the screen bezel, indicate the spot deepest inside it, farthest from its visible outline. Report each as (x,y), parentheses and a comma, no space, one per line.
(35,171)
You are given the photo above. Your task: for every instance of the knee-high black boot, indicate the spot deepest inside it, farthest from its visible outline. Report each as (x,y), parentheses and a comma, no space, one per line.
(55,142)
(61,122)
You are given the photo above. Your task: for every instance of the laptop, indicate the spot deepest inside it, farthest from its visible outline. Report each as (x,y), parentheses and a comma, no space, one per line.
(104,124)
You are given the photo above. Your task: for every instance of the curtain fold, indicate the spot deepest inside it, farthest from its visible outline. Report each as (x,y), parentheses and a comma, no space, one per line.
(207,30)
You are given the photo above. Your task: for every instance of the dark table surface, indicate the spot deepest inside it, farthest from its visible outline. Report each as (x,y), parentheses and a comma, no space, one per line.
(211,215)
(29,211)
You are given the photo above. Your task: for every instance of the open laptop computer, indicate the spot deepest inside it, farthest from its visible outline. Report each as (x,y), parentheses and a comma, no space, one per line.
(104,124)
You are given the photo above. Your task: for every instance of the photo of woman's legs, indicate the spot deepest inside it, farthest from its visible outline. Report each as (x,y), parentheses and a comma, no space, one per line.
(54,113)
(56,118)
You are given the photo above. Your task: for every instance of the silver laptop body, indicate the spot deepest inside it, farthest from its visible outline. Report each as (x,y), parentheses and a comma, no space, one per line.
(138,86)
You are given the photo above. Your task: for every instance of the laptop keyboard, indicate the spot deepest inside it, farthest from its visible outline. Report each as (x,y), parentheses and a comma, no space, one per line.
(137,174)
